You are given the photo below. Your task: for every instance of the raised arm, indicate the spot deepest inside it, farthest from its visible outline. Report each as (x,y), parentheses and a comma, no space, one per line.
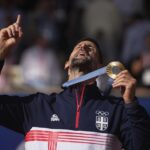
(9,37)
(135,123)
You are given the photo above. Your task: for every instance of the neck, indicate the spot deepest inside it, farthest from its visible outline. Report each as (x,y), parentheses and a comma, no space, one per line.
(75,73)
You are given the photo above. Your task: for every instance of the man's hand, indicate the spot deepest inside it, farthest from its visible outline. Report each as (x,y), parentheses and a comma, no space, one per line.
(9,37)
(127,84)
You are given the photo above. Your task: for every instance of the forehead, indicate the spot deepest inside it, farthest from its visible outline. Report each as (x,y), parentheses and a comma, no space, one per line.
(86,42)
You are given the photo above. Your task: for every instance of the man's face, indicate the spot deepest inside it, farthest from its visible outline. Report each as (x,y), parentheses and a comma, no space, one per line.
(84,54)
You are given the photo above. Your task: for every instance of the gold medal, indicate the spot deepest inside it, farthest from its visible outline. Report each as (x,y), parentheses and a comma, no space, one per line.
(113,68)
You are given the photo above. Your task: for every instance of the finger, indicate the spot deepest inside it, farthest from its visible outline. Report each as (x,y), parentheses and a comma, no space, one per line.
(121,78)
(123,72)
(127,85)
(9,32)
(124,78)
(16,27)
(119,84)
(20,32)
(18,21)
(119,81)
(3,32)
(13,29)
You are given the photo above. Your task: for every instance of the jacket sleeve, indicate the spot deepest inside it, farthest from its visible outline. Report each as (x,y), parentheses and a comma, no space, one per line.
(16,111)
(135,127)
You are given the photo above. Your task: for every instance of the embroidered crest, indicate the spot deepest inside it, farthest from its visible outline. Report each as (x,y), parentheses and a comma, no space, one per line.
(102,120)
(55,118)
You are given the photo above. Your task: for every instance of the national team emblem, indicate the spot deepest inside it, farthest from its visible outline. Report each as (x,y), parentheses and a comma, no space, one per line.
(102,120)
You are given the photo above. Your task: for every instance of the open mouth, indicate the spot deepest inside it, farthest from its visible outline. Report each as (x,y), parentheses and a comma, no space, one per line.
(82,53)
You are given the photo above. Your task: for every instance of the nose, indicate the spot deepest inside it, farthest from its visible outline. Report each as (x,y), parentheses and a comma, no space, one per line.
(83,46)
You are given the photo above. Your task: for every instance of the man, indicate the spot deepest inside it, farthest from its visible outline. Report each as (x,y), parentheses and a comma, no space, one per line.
(78,118)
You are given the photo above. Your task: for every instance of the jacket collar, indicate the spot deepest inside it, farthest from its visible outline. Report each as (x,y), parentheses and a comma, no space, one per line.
(91,91)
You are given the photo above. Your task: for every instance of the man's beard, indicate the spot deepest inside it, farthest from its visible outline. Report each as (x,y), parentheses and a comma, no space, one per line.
(82,63)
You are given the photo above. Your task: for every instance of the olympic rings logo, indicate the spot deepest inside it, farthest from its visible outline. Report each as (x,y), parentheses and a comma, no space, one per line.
(102,113)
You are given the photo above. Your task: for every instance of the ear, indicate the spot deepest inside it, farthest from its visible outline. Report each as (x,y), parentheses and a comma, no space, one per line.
(66,65)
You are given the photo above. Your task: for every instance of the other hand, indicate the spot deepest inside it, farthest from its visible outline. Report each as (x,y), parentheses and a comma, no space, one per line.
(128,85)
(10,36)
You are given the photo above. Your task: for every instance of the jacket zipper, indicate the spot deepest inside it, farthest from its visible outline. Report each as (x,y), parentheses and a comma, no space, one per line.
(77,117)
(79,104)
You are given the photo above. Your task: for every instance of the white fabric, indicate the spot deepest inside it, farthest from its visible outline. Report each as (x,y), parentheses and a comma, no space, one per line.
(58,139)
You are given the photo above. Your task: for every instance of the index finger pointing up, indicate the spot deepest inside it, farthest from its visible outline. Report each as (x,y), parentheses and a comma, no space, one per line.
(18,21)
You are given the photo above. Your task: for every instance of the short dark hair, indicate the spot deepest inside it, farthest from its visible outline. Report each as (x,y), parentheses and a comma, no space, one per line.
(99,49)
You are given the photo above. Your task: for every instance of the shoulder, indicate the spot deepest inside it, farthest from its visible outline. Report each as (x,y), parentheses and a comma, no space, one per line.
(38,97)
(46,97)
